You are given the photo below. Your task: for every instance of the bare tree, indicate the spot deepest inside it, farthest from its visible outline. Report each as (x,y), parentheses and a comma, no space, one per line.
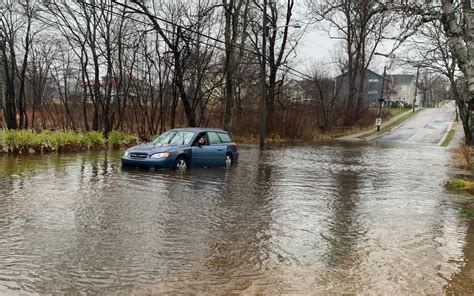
(457,20)
(361,26)
(321,88)
(38,72)
(177,47)
(281,44)
(236,22)
(17,31)
(430,51)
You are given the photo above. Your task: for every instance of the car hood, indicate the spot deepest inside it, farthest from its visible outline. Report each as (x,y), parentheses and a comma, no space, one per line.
(150,148)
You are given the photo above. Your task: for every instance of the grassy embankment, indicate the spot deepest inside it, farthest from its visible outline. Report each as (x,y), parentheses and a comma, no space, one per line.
(463,158)
(392,125)
(28,141)
(460,185)
(448,138)
(362,125)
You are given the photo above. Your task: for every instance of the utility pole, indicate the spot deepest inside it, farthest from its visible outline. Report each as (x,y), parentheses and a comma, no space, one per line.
(378,121)
(263,66)
(416,87)
(2,79)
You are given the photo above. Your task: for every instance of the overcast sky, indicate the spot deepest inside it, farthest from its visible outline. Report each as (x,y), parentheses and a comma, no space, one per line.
(317,47)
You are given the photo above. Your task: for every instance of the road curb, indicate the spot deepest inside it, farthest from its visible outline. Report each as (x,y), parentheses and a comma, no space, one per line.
(355,137)
(369,138)
(446,133)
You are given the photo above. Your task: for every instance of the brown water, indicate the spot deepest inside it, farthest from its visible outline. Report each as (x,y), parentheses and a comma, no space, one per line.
(336,217)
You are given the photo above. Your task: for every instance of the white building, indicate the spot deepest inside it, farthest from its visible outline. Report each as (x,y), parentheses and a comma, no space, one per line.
(403,89)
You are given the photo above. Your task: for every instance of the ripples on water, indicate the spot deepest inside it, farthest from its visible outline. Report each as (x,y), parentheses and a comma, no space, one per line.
(339,218)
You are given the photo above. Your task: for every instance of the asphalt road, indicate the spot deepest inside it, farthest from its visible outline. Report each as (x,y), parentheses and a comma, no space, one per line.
(427,127)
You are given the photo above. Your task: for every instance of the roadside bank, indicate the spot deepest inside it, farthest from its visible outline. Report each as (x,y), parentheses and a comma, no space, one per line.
(29,141)
(386,126)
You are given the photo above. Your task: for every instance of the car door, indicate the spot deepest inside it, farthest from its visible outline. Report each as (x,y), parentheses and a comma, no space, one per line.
(200,153)
(217,150)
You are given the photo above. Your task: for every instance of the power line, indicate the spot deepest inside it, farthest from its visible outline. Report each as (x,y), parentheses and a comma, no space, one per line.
(295,72)
(210,37)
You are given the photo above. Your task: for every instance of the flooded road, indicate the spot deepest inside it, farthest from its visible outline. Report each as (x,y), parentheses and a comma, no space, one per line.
(328,218)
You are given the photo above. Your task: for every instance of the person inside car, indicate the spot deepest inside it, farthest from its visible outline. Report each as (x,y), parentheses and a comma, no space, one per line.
(201,140)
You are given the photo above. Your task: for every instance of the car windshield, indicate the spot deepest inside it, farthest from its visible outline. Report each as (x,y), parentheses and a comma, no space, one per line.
(175,138)
(182,138)
(164,138)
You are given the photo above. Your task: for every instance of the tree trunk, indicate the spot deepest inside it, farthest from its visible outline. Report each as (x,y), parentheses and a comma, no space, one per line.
(462,43)
(229,65)
(467,118)
(9,74)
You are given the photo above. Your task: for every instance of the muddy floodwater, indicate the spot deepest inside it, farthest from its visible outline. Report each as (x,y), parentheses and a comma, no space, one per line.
(311,219)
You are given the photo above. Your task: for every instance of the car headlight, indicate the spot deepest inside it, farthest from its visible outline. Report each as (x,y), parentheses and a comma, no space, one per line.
(126,153)
(160,155)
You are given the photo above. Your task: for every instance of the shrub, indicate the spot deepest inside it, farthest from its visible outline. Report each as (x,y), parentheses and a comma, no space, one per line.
(467,213)
(117,139)
(463,157)
(458,184)
(20,141)
(65,141)
(93,139)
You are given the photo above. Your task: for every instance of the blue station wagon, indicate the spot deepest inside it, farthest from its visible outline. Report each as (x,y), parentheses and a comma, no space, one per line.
(182,148)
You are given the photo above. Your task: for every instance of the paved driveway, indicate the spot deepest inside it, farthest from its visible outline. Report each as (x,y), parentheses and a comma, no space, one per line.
(427,127)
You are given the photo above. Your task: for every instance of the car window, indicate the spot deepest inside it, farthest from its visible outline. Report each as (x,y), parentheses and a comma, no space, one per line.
(164,138)
(182,138)
(201,135)
(225,138)
(213,138)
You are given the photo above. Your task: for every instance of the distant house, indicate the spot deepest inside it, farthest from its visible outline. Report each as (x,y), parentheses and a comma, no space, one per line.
(372,87)
(403,89)
(296,91)
(136,88)
(306,91)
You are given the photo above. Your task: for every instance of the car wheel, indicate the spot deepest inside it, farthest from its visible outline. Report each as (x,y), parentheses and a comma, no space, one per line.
(228,160)
(181,164)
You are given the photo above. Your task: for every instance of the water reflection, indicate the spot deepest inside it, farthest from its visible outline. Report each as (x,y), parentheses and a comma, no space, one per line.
(332,218)
(462,282)
(343,226)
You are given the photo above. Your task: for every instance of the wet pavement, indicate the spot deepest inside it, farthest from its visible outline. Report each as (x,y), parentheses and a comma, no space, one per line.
(427,127)
(327,218)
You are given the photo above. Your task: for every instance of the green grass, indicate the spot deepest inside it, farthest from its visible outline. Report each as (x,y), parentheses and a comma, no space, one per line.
(449,137)
(391,125)
(119,139)
(467,213)
(93,139)
(458,184)
(397,111)
(24,141)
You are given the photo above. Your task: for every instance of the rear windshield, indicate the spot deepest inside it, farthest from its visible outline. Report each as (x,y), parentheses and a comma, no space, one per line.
(225,138)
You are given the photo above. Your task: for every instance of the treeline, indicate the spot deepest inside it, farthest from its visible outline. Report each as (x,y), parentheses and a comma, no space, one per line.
(146,66)
(106,65)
